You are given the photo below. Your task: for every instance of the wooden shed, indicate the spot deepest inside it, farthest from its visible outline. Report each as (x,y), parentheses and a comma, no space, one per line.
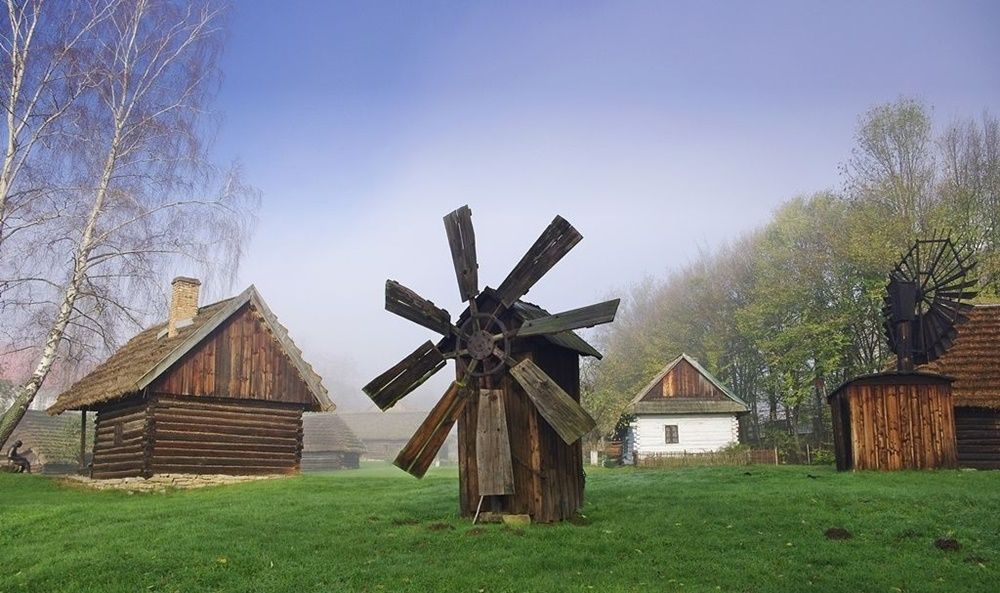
(328,443)
(218,389)
(384,434)
(894,420)
(53,442)
(974,364)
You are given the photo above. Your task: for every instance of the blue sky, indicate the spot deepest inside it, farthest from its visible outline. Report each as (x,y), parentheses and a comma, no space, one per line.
(656,128)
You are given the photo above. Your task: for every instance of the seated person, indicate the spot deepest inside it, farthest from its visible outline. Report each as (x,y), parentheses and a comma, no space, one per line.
(18,459)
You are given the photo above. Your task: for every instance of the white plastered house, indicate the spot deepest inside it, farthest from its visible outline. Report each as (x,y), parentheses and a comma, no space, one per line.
(684,409)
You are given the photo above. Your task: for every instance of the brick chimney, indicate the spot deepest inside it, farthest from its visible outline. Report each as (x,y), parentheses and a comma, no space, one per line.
(183,303)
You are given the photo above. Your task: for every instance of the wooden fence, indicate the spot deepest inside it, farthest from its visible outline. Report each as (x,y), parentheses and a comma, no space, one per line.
(685,459)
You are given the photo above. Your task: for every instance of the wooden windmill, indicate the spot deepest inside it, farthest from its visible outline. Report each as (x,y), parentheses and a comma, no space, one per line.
(904,418)
(516,392)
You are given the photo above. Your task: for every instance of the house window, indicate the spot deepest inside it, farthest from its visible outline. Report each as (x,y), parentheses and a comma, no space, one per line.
(119,433)
(670,433)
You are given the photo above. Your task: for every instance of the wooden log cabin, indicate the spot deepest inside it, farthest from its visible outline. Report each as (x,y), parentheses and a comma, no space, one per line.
(329,444)
(218,389)
(973,362)
(893,421)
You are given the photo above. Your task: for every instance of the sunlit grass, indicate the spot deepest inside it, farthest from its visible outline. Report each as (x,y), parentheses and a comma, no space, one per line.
(376,529)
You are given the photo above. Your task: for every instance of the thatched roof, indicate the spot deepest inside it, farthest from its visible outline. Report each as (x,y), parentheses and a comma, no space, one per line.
(51,440)
(149,354)
(325,431)
(974,359)
(384,426)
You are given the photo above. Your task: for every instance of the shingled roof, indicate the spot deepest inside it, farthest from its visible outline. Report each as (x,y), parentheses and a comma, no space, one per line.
(324,431)
(151,353)
(974,359)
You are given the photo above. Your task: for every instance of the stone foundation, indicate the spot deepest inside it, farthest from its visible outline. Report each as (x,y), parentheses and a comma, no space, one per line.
(162,482)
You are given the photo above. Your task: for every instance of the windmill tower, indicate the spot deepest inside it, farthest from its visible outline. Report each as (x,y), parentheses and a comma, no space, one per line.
(516,391)
(904,419)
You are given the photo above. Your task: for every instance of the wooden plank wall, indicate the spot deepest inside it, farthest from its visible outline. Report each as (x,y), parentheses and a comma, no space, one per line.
(192,435)
(240,359)
(121,442)
(548,473)
(977,431)
(684,381)
(321,461)
(901,426)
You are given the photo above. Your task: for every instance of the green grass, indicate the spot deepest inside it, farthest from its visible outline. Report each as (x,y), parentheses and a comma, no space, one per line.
(376,529)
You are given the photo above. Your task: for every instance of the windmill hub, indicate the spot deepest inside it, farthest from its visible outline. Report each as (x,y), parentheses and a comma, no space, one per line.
(480,345)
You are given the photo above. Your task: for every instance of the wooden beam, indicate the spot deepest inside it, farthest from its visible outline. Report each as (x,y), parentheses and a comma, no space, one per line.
(564,415)
(462,240)
(83,440)
(418,454)
(493,459)
(555,242)
(409,305)
(588,316)
(408,374)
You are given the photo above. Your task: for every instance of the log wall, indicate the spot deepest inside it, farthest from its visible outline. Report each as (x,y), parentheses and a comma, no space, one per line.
(548,473)
(892,422)
(121,443)
(199,436)
(977,431)
(319,461)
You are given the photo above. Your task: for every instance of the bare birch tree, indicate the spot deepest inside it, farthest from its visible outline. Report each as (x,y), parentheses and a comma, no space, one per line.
(144,194)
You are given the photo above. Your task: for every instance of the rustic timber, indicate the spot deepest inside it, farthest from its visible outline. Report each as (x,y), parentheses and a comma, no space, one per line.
(224,394)
(555,242)
(408,374)
(588,316)
(894,421)
(462,240)
(519,450)
(409,305)
(418,454)
(496,474)
(563,414)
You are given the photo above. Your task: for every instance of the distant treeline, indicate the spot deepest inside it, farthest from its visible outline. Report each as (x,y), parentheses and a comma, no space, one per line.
(785,313)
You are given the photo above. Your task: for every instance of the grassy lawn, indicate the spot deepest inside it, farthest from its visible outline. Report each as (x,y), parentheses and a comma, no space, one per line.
(376,529)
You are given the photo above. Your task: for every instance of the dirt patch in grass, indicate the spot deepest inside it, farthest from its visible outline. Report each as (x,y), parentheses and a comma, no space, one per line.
(516,531)
(475,531)
(440,527)
(947,544)
(838,533)
(975,560)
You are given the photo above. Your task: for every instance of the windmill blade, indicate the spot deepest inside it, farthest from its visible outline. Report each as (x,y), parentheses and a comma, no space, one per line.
(409,305)
(423,446)
(564,415)
(389,387)
(555,242)
(588,316)
(462,240)
(493,461)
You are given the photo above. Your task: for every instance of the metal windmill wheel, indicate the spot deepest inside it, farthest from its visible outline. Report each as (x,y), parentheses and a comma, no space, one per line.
(480,343)
(927,297)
